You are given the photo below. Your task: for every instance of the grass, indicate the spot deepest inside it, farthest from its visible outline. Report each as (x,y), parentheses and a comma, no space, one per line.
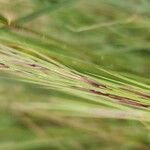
(74,74)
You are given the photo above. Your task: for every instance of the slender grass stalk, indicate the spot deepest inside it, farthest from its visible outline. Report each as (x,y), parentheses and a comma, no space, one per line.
(74,74)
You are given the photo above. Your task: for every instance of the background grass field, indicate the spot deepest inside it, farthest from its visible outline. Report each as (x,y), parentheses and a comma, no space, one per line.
(74,74)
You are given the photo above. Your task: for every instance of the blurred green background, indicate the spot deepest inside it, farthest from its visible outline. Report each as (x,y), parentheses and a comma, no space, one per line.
(85,44)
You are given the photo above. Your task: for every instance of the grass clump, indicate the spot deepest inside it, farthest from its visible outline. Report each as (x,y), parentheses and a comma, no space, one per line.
(74,74)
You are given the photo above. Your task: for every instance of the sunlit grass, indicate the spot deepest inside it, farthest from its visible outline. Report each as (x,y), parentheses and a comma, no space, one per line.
(74,74)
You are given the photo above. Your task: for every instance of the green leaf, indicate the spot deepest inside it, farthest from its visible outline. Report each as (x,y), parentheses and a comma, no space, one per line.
(3,19)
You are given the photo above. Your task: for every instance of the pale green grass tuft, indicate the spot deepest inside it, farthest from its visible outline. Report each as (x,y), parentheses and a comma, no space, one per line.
(74,74)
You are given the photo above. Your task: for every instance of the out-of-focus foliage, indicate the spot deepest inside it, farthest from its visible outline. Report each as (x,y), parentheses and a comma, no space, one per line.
(74,74)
